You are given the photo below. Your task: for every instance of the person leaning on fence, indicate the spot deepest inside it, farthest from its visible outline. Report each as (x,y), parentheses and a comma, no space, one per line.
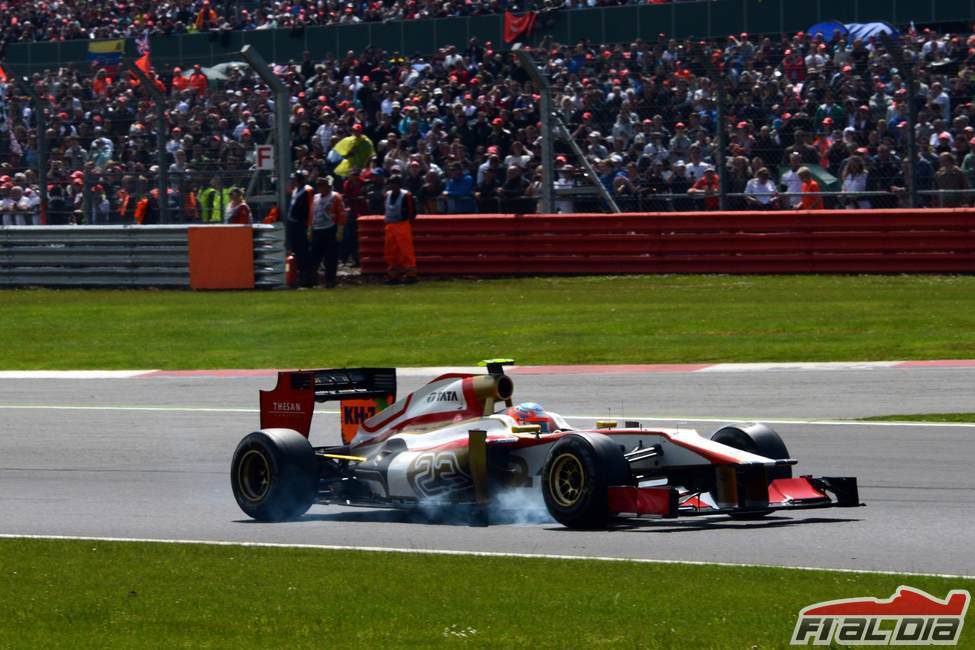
(708,186)
(811,199)
(760,192)
(855,177)
(327,230)
(399,210)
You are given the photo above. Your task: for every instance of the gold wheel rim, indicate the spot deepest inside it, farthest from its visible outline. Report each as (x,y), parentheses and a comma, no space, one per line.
(566,480)
(254,475)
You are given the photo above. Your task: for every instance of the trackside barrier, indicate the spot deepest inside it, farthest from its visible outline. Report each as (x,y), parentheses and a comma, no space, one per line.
(833,241)
(121,256)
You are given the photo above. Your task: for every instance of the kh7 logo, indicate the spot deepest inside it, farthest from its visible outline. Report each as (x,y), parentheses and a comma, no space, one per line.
(909,617)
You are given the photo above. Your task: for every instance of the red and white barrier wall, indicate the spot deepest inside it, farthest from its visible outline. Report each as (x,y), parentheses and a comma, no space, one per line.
(832,241)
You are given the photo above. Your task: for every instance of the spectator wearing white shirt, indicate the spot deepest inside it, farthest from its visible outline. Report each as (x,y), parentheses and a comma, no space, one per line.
(760,192)
(855,180)
(939,98)
(791,182)
(695,166)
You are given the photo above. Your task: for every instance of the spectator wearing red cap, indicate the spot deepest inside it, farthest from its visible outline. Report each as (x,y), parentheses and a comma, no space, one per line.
(179,83)
(198,80)
(707,187)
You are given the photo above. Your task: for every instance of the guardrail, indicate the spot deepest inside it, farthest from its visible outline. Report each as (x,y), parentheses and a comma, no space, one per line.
(833,241)
(269,255)
(120,256)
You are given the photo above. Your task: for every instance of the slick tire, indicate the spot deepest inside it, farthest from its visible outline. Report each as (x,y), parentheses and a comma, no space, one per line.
(274,475)
(757,439)
(577,476)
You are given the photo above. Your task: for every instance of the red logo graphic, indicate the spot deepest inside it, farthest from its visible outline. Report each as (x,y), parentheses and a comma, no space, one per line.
(909,617)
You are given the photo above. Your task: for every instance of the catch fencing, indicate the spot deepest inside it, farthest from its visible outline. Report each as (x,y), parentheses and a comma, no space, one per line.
(121,256)
(833,241)
(613,24)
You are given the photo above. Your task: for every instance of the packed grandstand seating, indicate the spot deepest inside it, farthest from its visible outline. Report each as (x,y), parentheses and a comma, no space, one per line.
(461,127)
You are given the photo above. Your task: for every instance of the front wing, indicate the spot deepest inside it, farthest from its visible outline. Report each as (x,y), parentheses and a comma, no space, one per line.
(746,492)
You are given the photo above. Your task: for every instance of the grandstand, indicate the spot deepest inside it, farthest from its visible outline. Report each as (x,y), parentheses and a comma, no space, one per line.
(649,115)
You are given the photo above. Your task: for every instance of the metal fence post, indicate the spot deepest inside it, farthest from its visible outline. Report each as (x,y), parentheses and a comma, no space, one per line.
(41,123)
(719,160)
(548,159)
(545,108)
(716,73)
(87,199)
(282,123)
(907,72)
(162,179)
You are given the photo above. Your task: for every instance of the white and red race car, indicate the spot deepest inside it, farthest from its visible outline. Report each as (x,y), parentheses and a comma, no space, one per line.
(461,440)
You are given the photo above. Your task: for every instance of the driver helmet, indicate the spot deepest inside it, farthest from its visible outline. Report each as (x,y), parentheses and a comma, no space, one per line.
(532,413)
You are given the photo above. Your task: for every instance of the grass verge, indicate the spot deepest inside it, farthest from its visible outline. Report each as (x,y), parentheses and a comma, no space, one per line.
(651,319)
(923,417)
(84,593)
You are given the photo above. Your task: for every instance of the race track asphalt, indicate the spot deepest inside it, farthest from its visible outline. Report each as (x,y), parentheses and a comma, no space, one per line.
(149,458)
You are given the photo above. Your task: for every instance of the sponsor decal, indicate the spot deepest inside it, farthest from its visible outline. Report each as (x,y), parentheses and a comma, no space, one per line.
(443,396)
(286,407)
(356,411)
(909,617)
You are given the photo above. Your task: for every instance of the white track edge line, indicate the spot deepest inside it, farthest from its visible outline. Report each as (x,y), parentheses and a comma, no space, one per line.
(418,551)
(646,418)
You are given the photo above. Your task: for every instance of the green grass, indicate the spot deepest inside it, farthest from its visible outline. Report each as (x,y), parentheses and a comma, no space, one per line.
(923,417)
(651,319)
(75,594)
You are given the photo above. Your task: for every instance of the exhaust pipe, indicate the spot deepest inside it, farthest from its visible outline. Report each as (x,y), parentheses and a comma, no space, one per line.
(494,387)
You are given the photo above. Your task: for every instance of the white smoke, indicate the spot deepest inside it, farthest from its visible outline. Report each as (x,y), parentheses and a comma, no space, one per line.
(509,506)
(519,506)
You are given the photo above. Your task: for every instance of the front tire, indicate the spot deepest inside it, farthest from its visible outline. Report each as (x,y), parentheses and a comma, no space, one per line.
(756,439)
(577,476)
(274,475)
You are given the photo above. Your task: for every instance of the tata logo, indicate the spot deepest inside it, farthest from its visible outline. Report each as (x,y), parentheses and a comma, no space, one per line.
(286,407)
(443,396)
(909,617)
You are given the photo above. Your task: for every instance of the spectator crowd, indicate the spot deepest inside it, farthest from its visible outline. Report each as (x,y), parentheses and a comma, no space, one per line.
(460,129)
(61,20)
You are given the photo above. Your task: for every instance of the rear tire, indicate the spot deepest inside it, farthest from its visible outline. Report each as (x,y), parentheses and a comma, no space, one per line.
(577,476)
(274,475)
(756,439)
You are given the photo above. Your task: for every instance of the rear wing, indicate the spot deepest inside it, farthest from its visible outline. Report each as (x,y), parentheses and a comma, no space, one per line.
(292,401)
(345,383)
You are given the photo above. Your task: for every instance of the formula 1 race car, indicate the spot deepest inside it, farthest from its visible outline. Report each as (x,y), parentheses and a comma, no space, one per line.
(460,440)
